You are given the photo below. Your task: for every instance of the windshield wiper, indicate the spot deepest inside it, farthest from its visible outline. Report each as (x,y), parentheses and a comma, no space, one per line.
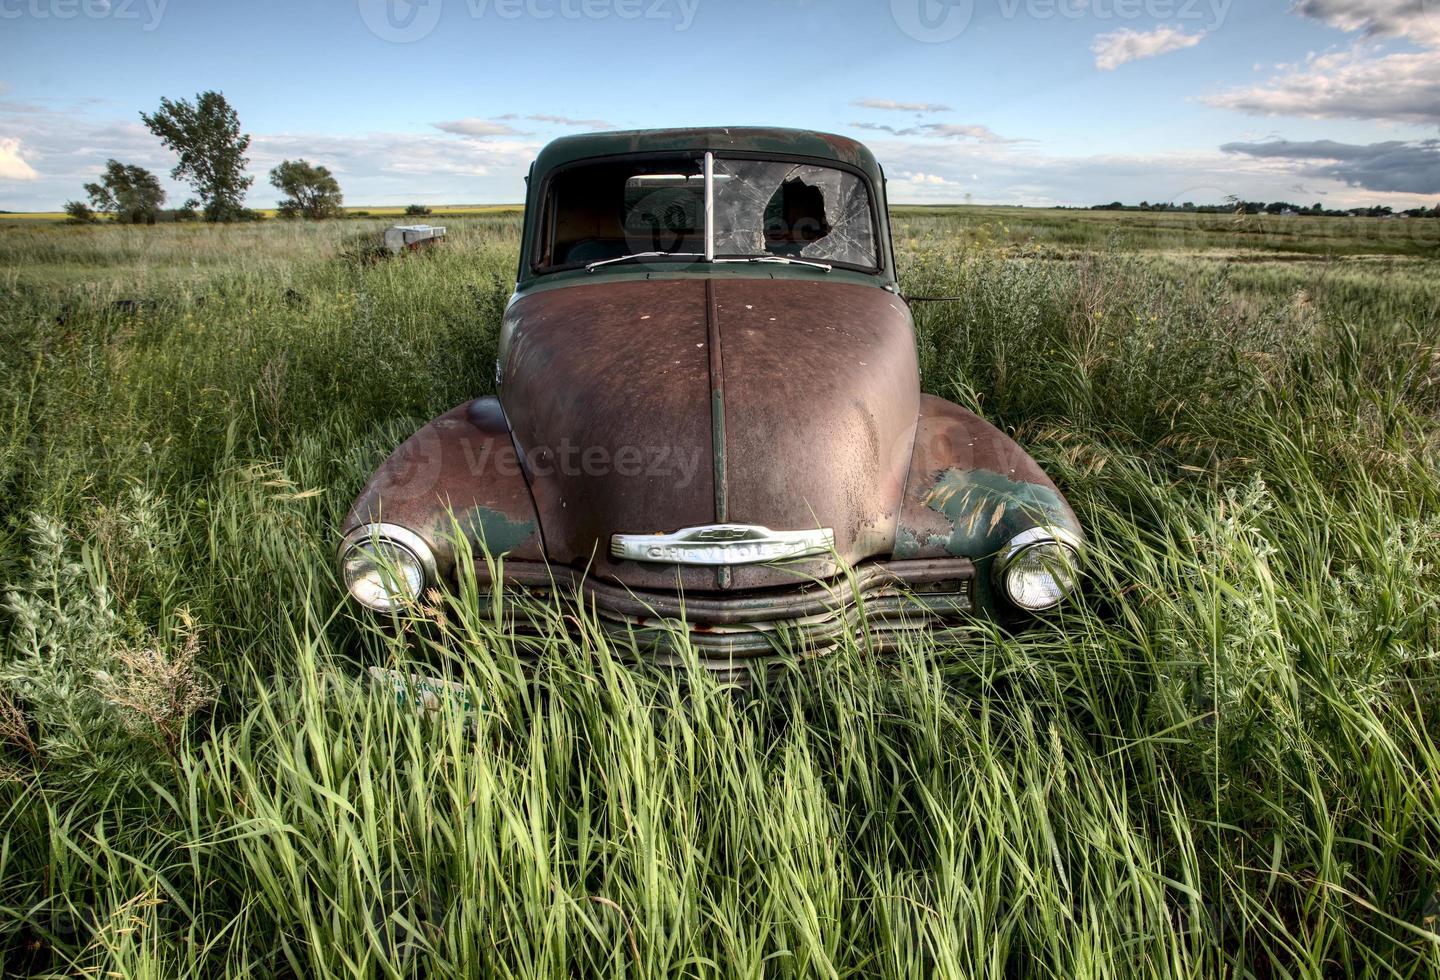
(783,260)
(592,266)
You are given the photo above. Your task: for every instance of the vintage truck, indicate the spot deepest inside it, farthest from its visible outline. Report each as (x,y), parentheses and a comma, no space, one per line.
(709,425)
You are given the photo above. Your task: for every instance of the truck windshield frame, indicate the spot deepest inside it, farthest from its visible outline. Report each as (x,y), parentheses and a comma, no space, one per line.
(673,207)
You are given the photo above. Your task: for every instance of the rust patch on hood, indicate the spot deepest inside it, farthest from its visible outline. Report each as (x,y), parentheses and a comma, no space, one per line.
(821,399)
(607,389)
(805,416)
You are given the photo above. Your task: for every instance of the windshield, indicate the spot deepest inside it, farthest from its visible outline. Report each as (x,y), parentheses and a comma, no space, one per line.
(796,210)
(596,214)
(601,211)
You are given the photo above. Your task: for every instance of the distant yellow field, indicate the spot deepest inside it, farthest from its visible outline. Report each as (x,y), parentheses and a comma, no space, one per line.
(33,216)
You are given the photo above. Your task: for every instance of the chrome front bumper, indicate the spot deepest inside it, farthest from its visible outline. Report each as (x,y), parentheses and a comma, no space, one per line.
(877,604)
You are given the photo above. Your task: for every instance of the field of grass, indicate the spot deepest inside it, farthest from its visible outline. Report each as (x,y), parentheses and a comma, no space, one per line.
(1259,236)
(1222,760)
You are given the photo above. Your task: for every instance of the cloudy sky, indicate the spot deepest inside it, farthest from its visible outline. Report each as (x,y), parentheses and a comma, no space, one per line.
(1031,102)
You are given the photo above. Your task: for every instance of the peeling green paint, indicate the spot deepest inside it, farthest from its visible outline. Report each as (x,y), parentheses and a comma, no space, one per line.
(907,543)
(985,509)
(497,533)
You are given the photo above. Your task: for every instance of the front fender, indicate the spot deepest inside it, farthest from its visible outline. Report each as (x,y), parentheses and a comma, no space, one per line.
(971,489)
(460,468)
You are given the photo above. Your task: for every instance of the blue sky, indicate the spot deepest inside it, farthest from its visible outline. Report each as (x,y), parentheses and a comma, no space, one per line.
(995,101)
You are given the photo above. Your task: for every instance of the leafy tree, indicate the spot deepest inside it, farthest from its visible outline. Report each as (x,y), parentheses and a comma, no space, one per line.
(132,194)
(79,212)
(206,135)
(416,210)
(311,190)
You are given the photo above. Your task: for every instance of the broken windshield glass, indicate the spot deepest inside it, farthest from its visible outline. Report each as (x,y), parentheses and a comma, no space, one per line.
(794,210)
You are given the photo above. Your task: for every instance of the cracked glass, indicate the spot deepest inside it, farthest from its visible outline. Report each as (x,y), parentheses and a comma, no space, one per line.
(793,210)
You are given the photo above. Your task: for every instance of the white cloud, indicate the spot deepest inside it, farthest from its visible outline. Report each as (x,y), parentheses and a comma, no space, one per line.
(951,131)
(393,154)
(1362,82)
(12,164)
(931,180)
(1125,45)
(69,147)
(1417,20)
(979,134)
(567,121)
(890,105)
(996,174)
(473,126)
(1354,84)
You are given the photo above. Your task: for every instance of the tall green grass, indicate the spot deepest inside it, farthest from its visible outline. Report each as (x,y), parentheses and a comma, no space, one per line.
(1222,760)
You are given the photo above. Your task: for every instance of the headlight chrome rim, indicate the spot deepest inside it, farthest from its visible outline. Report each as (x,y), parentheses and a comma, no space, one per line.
(1028,540)
(397,537)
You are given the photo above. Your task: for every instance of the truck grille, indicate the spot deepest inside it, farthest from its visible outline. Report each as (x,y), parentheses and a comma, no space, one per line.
(879,604)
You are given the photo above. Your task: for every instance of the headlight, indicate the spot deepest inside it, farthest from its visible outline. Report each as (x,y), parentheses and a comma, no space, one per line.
(384,565)
(1039,567)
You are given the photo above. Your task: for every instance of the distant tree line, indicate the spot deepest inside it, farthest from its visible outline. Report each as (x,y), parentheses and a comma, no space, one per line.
(205,135)
(1237,206)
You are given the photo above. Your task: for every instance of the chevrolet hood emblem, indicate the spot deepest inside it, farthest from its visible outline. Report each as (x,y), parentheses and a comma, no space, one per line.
(723,544)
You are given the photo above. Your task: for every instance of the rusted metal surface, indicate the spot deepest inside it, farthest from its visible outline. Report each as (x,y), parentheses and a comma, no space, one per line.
(461,469)
(607,388)
(970,490)
(803,418)
(821,398)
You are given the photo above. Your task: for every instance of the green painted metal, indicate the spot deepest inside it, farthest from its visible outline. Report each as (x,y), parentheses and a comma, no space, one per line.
(718,139)
(717,419)
(741,140)
(985,510)
(494,531)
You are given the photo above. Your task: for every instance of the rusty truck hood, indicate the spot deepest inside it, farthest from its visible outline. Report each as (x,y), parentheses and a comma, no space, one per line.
(647,406)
